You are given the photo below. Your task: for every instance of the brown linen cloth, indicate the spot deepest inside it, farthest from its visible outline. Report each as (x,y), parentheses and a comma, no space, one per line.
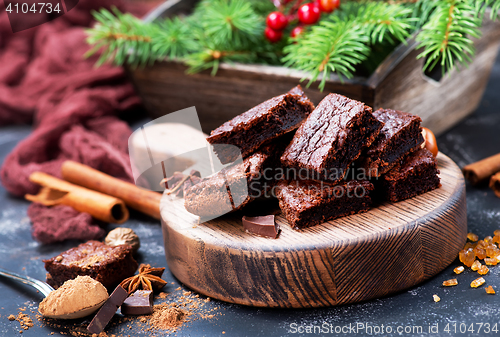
(45,79)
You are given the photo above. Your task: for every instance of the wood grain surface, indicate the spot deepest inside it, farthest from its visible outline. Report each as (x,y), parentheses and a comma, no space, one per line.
(356,258)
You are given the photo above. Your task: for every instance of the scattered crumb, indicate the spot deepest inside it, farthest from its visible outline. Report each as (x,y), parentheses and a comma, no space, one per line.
(436,298)
(24,320)
(490,290)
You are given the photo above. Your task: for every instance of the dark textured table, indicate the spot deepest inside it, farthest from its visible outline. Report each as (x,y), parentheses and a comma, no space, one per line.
(462,311)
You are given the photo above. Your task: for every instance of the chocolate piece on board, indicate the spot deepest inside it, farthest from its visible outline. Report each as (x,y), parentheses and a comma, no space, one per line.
(261,225)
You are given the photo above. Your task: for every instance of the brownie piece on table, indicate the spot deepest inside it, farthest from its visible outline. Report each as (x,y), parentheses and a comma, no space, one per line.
(307,203)
(235,186)
(259,125)
(332,137)
(415,174)
(400,134)
(107,264)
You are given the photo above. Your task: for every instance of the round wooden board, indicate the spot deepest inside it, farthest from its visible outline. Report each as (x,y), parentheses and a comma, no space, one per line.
(355,258)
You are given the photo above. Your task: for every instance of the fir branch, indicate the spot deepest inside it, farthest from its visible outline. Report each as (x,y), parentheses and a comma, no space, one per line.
(233,22)
(230,28)
(446,36)
(352,39)
(342,41)
(332,46)
(173,39)
(383,21)
(116,34)
(423,10)
(482,5)
(227,31)
(210,58)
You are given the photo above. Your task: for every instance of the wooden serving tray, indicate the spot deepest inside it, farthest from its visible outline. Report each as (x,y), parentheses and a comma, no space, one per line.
(355,258)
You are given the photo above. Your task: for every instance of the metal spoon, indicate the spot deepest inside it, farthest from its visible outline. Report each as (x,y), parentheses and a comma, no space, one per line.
(45,289)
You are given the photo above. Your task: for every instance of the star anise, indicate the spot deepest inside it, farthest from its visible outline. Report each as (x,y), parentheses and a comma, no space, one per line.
(148,279)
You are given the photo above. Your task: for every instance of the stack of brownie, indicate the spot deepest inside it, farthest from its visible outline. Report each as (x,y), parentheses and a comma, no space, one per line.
(384,148)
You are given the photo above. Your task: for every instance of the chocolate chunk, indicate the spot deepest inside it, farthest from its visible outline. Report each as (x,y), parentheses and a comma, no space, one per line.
(261,225)
(108,310)
(139,303)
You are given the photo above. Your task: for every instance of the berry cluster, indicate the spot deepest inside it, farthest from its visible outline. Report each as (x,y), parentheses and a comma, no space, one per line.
(305,14)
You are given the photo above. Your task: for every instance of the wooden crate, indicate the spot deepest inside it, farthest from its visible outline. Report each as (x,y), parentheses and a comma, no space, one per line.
(398,83)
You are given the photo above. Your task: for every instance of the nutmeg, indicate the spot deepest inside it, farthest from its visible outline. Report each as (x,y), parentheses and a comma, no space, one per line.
(122,236)
(430,141)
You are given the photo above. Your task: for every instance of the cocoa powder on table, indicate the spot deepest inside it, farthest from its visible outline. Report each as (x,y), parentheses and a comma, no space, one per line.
(167,317)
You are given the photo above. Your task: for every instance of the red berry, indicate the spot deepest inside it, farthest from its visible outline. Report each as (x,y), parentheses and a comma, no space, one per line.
(328,6)
(276,21)
(297,31)
(273,35)
(309,14)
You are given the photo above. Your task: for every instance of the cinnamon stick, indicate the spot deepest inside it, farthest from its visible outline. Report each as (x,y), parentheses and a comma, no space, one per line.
(482,170)
(55,191)
(495,184)
(145,201)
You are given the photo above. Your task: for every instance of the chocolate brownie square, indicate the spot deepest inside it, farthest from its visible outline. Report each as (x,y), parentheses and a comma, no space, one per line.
(332,137)
(107,264)
(415,174)
(400,135)
(259,125)
(235,186)
(307,203)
